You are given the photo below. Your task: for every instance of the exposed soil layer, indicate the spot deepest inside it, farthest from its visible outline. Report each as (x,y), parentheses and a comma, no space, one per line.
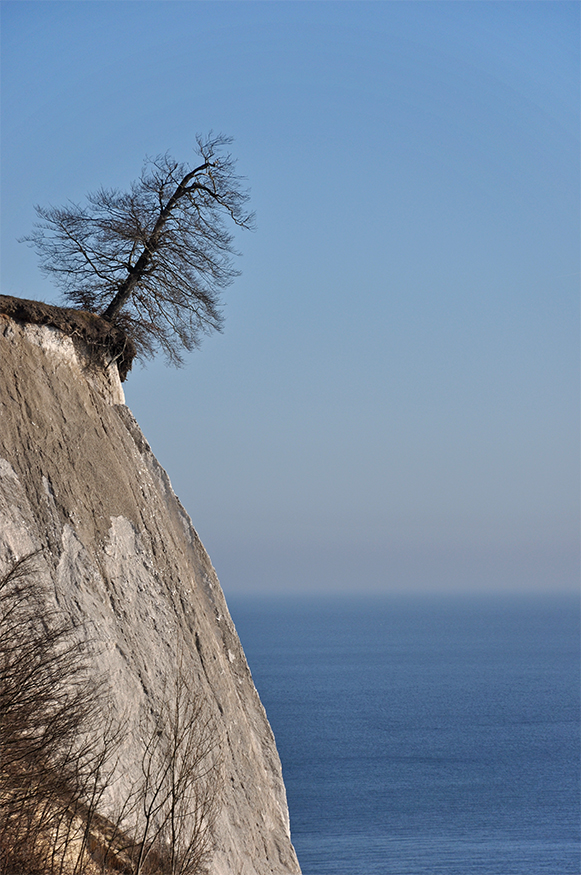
(107,341)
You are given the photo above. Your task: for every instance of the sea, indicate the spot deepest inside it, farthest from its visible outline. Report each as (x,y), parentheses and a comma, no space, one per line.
(423,734)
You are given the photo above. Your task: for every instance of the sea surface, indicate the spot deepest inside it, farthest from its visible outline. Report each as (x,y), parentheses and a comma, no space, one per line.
(423,734)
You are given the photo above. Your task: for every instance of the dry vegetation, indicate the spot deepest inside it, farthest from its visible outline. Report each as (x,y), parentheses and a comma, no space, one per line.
(58,758)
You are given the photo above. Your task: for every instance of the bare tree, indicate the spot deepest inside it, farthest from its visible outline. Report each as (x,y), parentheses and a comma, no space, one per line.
(154,259)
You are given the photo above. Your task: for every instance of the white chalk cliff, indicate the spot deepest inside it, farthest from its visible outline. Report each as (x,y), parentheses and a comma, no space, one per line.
(120,556)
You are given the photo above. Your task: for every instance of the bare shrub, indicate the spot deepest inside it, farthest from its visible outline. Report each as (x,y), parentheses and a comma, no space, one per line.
(47,702)
(58,757)
(169,817)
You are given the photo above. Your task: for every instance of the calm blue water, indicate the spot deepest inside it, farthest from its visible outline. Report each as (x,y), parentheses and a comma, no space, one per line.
(423,735)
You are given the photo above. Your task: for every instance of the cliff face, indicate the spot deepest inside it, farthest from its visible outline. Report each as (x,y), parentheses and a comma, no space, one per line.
(120,556)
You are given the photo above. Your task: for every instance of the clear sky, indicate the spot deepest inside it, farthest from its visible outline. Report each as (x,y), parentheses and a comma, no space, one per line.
(393,404)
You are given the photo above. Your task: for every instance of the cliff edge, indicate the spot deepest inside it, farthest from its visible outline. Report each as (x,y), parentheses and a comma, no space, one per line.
(119,555)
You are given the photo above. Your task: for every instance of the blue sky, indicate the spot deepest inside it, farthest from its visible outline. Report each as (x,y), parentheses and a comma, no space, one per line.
(393,405)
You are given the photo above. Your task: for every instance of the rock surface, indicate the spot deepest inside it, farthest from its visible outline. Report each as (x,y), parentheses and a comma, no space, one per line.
(120,555)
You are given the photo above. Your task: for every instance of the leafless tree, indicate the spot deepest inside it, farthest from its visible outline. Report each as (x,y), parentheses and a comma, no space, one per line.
(153,259)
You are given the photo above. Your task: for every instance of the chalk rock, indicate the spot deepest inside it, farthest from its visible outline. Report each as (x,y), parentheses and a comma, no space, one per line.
(120,556)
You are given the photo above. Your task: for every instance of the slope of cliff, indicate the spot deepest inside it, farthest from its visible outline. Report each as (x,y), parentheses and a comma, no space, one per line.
(120,557)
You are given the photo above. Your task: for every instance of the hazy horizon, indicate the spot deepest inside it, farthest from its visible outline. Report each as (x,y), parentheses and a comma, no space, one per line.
(394,403)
